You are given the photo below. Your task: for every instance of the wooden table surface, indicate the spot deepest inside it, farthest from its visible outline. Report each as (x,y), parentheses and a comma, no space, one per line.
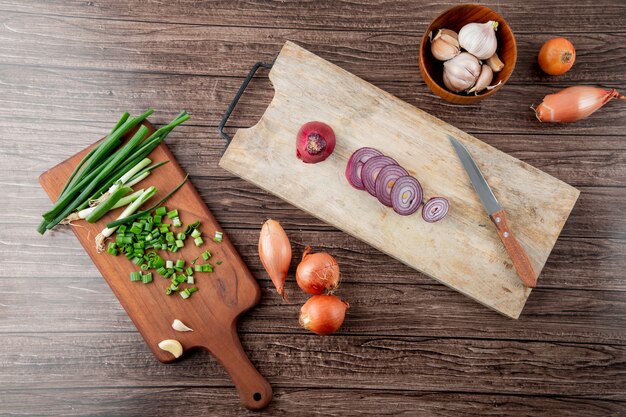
(409,346)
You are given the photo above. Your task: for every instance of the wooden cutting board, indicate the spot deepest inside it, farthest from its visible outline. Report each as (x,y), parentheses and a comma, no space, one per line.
(463,251)
(211,312)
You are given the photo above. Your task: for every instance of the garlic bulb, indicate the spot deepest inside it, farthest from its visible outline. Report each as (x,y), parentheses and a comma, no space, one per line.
(479,39)
(460,73)
(445,45)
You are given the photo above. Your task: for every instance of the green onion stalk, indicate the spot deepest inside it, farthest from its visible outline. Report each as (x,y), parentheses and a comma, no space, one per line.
(132,208)
(84,213)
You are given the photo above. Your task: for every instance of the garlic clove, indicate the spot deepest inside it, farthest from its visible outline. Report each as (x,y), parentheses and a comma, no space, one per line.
(180,326)
(172,346)
(479,39)
(445,45)
(461,72)
(483,81)
(495,63)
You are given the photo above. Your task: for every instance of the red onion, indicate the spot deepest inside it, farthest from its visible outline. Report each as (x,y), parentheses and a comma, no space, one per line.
(371,169)
(355,166)
(385,181)
(435,209)
(315,142)
(406,195)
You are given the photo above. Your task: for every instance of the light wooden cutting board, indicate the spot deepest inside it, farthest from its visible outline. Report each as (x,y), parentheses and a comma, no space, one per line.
(463,251)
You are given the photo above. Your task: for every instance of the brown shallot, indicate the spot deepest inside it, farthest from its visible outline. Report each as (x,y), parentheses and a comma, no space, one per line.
(573,103)
(323,314)
(317,272)
(275,253)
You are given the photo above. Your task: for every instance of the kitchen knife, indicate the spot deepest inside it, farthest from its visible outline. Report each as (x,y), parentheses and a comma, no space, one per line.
(516,252)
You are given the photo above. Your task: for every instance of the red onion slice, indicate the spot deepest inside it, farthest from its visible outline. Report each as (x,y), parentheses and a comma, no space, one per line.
(371,169)
(387,177)
(355,165)
(435,209)
(406,195)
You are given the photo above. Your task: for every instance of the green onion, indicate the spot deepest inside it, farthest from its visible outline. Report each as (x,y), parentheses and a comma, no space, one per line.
(181,236)
(190,279)
(207,268)
(147,278)
(136,216)
(196,233)
(179,243)
(169,264)
(198,241)
(185,294)
(176,222)
(112,249)
(218,262)
(172,214)
(135,276)
(161,211)
(198,268)
(180,263)
(218,236)
(189,271)
(206,255)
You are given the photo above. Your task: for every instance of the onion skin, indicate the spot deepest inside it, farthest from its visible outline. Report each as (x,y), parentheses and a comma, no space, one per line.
(275,253)
(323,314)
(315,142)
(573,103)
(317,273)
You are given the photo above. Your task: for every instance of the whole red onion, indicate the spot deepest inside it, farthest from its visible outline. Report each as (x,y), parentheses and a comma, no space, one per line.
(315,142)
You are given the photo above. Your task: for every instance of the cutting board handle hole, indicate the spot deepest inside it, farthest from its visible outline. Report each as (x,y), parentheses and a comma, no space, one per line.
(257,396)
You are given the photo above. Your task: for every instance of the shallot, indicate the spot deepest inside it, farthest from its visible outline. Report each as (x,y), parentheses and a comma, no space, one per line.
(323,314)
(275,253)
(573,103)
(317,272)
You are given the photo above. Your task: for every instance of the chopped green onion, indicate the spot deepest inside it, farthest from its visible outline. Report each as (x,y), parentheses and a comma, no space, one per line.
(112,248)
(180,263)
(172,214)
(191,290)
(180,279)
(135,276)
(144,267)
(207,268)
(161,271)
(196,233)
(198,241)
(218,262)
(218,236)
(181,236)
(161,211)
(189,271)
(168,291)
(179,243)
(147,278)
(193,226)
(169,264)
(174,287)
(176,222)
(198,268)
(206,255)
(157,219)
(137,261)
(190,279)
(185,294)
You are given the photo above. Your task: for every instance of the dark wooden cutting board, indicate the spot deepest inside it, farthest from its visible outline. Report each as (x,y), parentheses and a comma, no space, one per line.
(211,312)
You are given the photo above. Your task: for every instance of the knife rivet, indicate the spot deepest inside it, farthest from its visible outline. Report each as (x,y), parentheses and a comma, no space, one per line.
(498,219)
(505,234)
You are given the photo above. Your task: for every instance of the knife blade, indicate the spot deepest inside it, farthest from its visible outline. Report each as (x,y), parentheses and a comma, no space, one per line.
(516,252)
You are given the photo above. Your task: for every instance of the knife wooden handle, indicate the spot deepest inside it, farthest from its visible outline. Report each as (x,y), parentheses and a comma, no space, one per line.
(518,255)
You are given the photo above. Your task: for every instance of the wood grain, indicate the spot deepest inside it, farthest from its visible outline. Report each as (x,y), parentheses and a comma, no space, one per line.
(361,115)
(70,67)
(119,45)
(97,96)
(212,312)
(302,361)
(216,401)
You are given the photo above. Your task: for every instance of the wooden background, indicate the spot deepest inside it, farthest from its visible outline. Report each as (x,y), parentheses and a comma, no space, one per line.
(409,345)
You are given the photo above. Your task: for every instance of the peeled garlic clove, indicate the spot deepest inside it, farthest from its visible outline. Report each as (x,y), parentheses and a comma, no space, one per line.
(483,81)
(479,39)
(495,63)
(172,346)
(180,326)
(445,45)
(460,73)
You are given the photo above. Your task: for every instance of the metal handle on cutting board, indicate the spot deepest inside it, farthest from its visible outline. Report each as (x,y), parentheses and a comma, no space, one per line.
(233,103)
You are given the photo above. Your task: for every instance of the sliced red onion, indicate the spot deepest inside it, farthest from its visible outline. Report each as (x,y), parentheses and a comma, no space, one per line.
(435,209)
(406,195)
(371,169)
(387,177)
(355,165)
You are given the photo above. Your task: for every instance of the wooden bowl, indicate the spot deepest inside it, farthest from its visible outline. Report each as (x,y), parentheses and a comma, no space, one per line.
(454,19)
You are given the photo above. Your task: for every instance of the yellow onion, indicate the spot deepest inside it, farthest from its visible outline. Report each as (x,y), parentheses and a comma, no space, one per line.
(323,314)
(573,103)
(317,272)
